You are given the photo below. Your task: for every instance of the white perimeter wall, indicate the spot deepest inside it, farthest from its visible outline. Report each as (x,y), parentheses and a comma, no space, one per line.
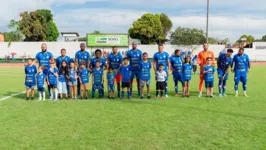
(29,49)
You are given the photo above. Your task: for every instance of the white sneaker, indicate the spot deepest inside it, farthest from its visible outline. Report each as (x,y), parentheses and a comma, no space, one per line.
(40,98)
(220,95)
(166,95)
(200,94)
(44,99)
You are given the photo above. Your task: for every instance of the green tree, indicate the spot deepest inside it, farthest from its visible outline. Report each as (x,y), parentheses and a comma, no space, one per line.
(83,39)
(151,28)
(188,36)
(249,38)
(97,32)
(264,38)
(213,40)
(14,35)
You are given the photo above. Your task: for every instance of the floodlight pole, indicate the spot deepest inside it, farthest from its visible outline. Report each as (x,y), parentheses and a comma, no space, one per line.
(207,23)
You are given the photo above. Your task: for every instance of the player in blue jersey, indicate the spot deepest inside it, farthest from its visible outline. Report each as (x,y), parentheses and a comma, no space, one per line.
(134,55)
(187,72)
(82,56)
(62,80)
(72,80)
(97,80)
(176,67)
(30,82)
(52,81)
(162,57)
(145,76)
(62,58)
(98,58)
(43,58)
(110,83)
(114,61)
(125,70)
(40,79)
(208,72)
(224,63)
(241,64)
(84,79)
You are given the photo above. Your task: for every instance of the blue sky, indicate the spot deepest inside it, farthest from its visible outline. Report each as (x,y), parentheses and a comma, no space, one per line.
(228,18)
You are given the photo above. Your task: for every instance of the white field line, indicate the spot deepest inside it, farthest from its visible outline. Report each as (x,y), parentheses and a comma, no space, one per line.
(11,75)
(5,98)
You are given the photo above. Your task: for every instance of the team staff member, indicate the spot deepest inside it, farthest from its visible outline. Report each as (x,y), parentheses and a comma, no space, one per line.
(162,57)
(43,58)
(82,56)
(135,56)
(114,61)
(202,57)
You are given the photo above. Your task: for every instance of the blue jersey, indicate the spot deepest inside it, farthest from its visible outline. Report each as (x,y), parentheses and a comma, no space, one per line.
(187,69)
(97,76)
(241,63)
(40,80)
(61,77)
(176,63)
(72,74)
(44,58)
(51,77)
(145,70)
(115,61)
(224,62)
(161,58)
(110,78)
(82,57)
(125,71)
(209,77)
(134,57)
(30,72)
(84,75)
(60,59)
(101,60)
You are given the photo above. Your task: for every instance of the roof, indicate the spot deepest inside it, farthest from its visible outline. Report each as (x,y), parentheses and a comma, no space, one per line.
(70,33)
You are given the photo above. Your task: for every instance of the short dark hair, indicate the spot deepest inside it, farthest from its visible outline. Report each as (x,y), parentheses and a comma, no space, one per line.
(177,50)
(230,50)
(30,59)
(161,65)
(98,50)
(160,44)
(82,44)
(63,49)
(242,49)
(114,47)
(125,58)
(144,54)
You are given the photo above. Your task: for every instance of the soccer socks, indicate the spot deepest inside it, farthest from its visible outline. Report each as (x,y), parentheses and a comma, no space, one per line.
(128,94)
(43,95)
(93,93)
(224,87)
(123,94)
(138,91)
(157,93)
(166,88)
(161,93)
(56,94)
(244,86)
(51,94)
(100,93)
(176,87)
(220,86)
(40,95)
(236,86)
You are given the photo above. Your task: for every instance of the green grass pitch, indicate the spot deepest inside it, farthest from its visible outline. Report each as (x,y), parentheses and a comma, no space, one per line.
(174,123)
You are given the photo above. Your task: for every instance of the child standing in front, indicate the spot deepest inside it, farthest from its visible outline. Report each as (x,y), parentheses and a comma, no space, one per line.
(186,70)
(125,71)
(110,83)
(208,72)
(62,80)
(84,80)
(145,75)
(97,80)
(30,82)
(52,81)
(72,80)
(40,83)
(160,84)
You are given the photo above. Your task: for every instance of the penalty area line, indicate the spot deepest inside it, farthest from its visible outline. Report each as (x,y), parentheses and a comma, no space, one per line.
(5,98)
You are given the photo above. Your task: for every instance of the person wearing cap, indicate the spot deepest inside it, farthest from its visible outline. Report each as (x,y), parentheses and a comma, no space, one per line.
(82,57)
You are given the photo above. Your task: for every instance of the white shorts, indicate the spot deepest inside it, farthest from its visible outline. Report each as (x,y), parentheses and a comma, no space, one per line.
(62,87)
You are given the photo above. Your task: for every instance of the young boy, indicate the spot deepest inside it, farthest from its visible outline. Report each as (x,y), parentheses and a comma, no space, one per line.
(125,71)
(145,75)
(110,83)
(84,80)
(40,83)
(186,70)
(97,80)
(208,72)
(72,80)
(30,82)
(161,79)
(52,81)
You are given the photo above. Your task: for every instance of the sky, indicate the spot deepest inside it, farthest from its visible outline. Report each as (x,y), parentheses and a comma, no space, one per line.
(228,18)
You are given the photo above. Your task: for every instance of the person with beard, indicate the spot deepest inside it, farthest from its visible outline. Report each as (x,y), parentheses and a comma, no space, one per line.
(43,58)
(82,57)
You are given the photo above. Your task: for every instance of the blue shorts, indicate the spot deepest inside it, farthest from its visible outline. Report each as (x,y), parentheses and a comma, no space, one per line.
(241,76)
(209,84)
(41,89)
(72,83)
(111,88)
(97,86)
(142,82)
(178,76)
(30,87)
(135,74)
(221,74)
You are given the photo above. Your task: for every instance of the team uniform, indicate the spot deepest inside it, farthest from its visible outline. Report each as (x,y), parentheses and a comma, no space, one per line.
(97,78)
(62,85)
(209,77)
(186,70)
(176,65)
(72,74)
(241,69)
(125,71)
(40,78)
(223,64)
(43,59)
(162,58)
(84,76)
(145,75)
(110,81)
(30,81)
(53,83)
(60,59)
(115,63)
(101,60)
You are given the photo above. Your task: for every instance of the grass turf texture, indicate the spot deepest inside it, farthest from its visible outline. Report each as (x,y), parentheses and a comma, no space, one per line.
(175,123)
